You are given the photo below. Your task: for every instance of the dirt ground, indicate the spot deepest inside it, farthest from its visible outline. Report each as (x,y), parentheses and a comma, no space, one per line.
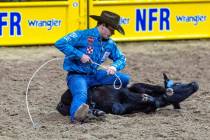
(184,61)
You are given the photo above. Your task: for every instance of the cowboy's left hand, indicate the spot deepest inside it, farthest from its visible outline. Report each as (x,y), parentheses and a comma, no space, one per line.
(111,70)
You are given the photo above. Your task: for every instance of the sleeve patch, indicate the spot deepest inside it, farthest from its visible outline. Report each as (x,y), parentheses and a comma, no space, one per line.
(71,36)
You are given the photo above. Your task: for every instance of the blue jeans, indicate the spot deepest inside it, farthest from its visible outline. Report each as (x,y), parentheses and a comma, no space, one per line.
(79,84)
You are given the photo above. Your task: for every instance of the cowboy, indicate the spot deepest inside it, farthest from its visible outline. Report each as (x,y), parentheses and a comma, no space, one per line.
(84,51)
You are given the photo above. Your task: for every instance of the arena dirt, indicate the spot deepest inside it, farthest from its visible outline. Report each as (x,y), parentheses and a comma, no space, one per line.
(183,61)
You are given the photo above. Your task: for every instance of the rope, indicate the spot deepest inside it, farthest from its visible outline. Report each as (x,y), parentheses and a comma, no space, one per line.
(117,77)
(36,125)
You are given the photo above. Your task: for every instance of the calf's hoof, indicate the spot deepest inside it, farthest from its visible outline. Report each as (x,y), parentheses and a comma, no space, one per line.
(63,109)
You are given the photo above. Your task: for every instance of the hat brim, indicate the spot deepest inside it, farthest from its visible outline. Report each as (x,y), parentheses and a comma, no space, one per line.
(116,27)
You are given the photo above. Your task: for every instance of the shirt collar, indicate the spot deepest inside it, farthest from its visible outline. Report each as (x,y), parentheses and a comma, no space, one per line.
(96,33)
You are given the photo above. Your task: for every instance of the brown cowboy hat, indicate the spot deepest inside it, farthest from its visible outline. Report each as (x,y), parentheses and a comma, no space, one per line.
(110,18)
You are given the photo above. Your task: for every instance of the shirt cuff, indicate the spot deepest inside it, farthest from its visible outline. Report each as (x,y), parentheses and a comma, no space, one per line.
(78,53)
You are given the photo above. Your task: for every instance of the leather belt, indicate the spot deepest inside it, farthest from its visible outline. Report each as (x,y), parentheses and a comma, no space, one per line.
(74,72)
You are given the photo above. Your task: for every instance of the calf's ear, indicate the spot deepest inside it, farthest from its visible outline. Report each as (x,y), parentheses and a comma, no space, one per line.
(165,77)
(167,82)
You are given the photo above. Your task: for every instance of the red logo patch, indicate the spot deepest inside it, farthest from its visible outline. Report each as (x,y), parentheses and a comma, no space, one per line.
(90,40)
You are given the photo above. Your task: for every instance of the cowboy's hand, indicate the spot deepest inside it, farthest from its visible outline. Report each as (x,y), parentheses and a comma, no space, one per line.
(85,58)
(111,70)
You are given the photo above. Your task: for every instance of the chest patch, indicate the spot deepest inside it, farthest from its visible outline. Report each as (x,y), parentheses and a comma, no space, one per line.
(89,50)
(90,40)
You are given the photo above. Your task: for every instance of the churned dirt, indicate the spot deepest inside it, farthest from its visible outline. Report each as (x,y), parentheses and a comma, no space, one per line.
(184,61)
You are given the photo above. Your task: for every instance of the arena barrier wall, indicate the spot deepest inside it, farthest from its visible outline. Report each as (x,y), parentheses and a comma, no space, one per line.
(43,22)
(158,19)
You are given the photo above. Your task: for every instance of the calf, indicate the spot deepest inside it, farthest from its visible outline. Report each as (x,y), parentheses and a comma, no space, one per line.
(139,97)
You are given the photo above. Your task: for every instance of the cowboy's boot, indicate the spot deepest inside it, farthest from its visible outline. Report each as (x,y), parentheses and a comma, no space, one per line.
(81,113)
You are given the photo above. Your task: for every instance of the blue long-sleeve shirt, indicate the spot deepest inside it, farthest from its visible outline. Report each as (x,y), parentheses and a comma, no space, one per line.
(88,42)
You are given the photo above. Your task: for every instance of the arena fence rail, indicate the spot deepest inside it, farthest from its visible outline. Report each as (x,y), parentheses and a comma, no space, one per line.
(32,22)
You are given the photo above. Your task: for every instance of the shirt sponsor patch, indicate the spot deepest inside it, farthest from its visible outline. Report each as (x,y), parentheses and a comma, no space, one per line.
(70,36)
(90,40)
(89,50)
(105,56)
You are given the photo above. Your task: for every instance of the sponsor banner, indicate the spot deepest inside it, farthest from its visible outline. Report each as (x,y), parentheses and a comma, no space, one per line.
(35,23)
(159,20)
(25,23)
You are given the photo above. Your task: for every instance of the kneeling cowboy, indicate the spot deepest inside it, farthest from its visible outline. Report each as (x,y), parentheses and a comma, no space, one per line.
(91,45)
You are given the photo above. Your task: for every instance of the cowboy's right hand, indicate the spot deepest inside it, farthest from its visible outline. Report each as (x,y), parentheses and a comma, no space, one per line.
(85,58)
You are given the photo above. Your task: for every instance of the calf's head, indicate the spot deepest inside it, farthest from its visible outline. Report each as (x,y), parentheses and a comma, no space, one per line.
(178,92)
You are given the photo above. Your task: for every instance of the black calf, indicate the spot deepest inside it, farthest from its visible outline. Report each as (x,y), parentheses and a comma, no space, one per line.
(121,101)
(171,94)
(139,97)
(113,101)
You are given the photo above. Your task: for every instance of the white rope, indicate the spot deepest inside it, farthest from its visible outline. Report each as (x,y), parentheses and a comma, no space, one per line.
(36,125)
(117,77)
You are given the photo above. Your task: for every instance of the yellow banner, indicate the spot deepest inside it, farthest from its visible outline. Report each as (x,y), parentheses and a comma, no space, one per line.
(37,22)
(25,23)
(144,20)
